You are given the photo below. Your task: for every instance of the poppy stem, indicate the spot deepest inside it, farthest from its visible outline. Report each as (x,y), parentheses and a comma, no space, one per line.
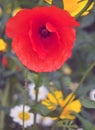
(24,95)
(38,82)
(35,114)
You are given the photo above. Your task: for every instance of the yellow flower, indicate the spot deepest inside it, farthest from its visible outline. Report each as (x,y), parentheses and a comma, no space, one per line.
(70,104)
(55,100)
(67,70)
(74,6)
(3,45)
(15,11)
(48,1)
(1,11)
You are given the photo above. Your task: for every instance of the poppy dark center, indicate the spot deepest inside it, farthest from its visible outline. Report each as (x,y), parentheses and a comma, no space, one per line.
(44,32)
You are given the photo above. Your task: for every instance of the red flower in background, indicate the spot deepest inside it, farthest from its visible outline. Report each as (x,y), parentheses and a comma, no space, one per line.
(5,62)
(43,37)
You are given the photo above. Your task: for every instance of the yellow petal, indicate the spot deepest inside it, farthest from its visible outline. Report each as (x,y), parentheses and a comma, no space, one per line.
(74,106)
(3,45)
(49,104)
(48,1)
(15,11)
(75,6)
(53,100)
(1,11)
(68,100)
(55,97)
(87,11)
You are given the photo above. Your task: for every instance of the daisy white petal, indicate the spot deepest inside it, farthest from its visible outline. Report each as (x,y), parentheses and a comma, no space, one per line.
(80,129)
(17,115)
(43,91)
(92,94)
(47,121)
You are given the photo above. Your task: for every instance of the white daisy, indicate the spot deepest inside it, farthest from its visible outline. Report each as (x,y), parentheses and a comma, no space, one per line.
(17,115)
(47,121)
(43,91)
(92,94)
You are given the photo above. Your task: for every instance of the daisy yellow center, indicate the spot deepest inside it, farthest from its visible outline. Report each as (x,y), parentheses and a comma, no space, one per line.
(26,116)
(34,92)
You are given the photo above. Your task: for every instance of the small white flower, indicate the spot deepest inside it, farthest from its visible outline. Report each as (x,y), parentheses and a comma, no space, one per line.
(43,91)
(17,115)
(92,94)
(80,129)
(47,121)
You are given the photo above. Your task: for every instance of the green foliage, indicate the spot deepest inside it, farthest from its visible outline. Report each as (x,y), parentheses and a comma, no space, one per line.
(44,111)
(65,125)
(87,103)
(84,90)
(85,123)
(58,3)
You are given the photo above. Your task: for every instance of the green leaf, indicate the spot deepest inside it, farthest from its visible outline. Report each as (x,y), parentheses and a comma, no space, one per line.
(87,102)
(28,3)
(44,111)
(85,123)
(58,3)
(5,109)
(83,90)
(66,124)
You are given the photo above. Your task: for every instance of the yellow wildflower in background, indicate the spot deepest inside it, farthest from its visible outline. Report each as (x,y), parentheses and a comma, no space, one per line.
(15,11)
(55,100)
(49,1)
(1,11)
(3,45)
(67,70)
(75,6)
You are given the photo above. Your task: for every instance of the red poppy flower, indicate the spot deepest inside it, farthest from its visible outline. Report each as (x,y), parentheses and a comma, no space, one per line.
(43,37)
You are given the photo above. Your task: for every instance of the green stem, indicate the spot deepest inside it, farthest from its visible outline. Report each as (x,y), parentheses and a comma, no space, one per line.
(54,125)
(41,2)
(4,102)
(38,82)
(35,114)
(81,81)
(84,76)
(24,95)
